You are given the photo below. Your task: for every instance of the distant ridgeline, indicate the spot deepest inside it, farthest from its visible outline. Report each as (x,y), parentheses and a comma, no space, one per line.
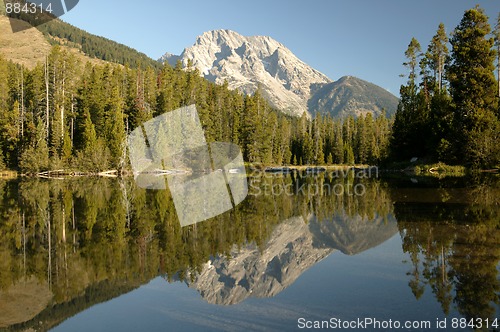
(98,47)
(59,32)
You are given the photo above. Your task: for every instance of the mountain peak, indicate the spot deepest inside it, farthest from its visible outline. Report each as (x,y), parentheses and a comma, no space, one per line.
(352,96)
(221,32)
(289,84)
(218,37)
(249,62)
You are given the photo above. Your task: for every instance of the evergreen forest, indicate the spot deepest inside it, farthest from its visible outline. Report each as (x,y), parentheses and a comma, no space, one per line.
(67,115)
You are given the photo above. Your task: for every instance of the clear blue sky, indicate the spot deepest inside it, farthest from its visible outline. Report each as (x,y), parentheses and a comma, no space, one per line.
(363,38)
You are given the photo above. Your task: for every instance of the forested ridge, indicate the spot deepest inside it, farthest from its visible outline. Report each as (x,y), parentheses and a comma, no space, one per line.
(67,115)
(58,32)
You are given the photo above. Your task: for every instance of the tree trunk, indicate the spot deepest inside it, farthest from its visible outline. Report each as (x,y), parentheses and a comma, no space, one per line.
(22,102)
(47,97)
(440,74)
(63,100)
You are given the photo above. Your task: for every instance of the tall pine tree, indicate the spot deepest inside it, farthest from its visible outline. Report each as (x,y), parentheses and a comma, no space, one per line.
(474,90)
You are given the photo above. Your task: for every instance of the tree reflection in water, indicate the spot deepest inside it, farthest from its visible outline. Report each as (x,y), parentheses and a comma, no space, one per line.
(67,245)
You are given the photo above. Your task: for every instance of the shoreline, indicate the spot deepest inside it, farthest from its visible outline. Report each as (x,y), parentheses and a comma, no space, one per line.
(431,170)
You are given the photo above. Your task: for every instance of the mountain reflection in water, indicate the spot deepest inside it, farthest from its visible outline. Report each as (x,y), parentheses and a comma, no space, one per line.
(68,245)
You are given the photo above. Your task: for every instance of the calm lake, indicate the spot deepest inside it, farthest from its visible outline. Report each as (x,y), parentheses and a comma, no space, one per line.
(102,254)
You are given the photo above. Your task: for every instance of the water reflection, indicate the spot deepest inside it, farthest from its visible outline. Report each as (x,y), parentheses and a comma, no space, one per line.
(454,243)
(293,247)
(67,245)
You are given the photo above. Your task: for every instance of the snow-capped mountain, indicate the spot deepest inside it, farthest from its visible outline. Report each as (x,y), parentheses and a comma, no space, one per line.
(249,62)
(289,84)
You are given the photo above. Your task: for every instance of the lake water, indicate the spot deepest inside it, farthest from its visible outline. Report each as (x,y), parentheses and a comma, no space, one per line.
(104,255)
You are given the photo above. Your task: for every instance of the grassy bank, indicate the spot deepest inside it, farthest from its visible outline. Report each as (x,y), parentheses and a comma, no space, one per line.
(440,170)
(8,174)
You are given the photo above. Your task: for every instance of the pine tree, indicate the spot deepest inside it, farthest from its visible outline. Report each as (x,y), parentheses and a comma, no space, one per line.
(382,138)
(411,120)
(269,139)
(4,103)
(438,53)
(348,155)
(318,153)
(9,135)
(329,159)
(249,130)
(115,125)
(372,149)
(339,144)
(413,54)
(361,141)
(496,33)
(284,143)
(474,90)
(62,72)
(36,156)
(94,156)
(89,133)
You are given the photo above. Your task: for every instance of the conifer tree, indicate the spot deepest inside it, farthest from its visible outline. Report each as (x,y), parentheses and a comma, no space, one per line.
(35,158)
(339,144)
(4,102)
(496,34)
(474,90)
(438,53)
(411,118)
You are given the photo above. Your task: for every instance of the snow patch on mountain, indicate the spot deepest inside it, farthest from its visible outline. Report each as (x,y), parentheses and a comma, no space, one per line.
(250,63)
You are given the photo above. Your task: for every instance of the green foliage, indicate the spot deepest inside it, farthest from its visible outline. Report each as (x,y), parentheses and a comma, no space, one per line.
(88,239)
(35,158)
(437,54)
(59,32)
(472,82)
(329,159)
(413,53)
(348,155)
(440,170)
(496,34)
(458,126)
(87,112)
(474,89)
(454,247)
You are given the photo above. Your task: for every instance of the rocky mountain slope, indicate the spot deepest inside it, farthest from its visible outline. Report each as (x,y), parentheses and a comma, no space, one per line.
(289,84)
(249,62)
(294,246)
(351,96)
